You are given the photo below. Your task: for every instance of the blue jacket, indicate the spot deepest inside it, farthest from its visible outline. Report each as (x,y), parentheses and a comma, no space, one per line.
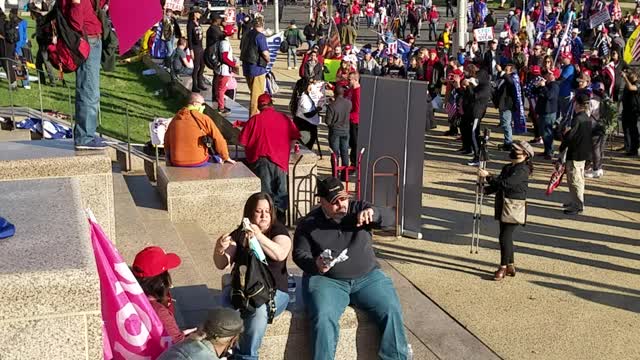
(547,98)
(22,41)
(566,80)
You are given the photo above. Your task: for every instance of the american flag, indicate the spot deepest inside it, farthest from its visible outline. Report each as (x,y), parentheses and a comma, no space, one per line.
(609,71)
(333,40)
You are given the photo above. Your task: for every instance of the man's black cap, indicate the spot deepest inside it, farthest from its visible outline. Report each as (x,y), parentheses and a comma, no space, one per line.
(330,189)
(223,322)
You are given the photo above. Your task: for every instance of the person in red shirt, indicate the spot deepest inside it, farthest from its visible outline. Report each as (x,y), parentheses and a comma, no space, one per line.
(81,16)
(268,138)
(353,94)
(151,269)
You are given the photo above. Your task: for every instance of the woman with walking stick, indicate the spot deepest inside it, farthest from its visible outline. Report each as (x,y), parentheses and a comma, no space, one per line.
(510,188)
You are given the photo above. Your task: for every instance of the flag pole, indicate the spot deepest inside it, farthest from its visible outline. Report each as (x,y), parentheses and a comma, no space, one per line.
(564,38)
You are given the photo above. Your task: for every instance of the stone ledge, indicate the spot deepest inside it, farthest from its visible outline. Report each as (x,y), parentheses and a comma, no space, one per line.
(47,267)
(213,196)
(57,159)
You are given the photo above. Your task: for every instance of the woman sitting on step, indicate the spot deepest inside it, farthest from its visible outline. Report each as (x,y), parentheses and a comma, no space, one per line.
(151,268)
(274,240)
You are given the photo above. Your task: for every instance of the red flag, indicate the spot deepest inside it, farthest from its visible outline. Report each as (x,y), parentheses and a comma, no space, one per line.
(333,40)
(131,19)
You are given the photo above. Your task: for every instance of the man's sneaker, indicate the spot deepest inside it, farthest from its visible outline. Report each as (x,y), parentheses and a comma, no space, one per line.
(27,87)
(473,163)
(289,68)
(224,111)
(536,141)
(598,173)
(504,147)
(589,174)
(95,144)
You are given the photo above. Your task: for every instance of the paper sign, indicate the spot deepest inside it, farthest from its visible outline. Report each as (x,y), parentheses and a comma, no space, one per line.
(230,15)
(175,5)
(317,94)
(483,34)
(600,17)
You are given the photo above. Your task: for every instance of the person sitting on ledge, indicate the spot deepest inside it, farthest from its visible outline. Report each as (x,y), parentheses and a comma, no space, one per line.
(151,269)
(191,135)
(349,274)
(275,241)
(212,340)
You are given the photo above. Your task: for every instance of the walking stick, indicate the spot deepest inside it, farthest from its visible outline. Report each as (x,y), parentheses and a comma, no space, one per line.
(479,200)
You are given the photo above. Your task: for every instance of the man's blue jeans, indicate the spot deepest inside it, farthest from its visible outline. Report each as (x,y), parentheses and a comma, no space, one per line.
(273,181)
(327,298)
(505,124)
(563,105)
(255,325)
(292,53)
(546,125)
(88,95)
(339,144)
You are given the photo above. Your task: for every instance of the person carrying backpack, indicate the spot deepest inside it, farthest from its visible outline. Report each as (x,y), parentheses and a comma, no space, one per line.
(294,38)
(259,251)
(82,18)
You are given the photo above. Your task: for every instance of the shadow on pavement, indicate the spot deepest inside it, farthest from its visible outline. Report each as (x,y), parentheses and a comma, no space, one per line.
(620,301)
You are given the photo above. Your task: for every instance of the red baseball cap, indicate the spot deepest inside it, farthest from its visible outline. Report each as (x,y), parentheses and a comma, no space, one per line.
(264,99)
(535,70)
(153,261)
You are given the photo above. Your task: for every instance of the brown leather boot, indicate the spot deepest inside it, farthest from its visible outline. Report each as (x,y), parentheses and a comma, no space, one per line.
(499,275)
(511,270)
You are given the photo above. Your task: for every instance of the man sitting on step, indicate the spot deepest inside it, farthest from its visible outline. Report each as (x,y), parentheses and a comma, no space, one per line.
(333,245)
(192,135)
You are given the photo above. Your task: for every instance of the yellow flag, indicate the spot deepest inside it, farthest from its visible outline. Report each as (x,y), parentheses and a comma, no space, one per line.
(332,66)
(631,50)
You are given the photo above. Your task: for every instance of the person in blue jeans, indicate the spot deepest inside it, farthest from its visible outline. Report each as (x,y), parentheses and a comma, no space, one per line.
(337,120)
(506,102)
(547,109)
(331,283)
(275,242)
(81,15)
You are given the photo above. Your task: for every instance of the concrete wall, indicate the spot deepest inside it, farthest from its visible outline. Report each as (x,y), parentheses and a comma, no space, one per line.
(49,286)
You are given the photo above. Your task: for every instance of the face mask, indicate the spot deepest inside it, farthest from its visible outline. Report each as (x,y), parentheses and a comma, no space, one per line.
(198,108)
(513,154)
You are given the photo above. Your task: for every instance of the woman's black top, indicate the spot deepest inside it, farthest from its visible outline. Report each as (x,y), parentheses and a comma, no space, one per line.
(512,183)
(277,268)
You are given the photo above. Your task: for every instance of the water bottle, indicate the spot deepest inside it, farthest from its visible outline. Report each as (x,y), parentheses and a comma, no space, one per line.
(409,352)
(292,289)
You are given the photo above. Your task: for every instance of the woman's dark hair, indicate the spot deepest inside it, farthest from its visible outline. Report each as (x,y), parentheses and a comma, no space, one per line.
(156,286)
(300,87)
(252,203)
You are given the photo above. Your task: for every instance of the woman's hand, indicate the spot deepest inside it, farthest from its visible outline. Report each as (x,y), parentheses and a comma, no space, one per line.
(483,173)
(222,244)
(255,229)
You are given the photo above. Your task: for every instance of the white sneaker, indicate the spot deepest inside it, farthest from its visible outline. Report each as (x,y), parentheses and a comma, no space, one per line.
(289,68)
(598,173)
(589,174)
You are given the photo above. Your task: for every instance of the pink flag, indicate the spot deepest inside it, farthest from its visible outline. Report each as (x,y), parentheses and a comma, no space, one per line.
(131,19)
(131,329)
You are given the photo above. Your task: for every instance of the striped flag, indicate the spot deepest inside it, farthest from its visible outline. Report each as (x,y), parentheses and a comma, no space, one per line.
(273,43)
(609,71)
(632,49)
(333,40)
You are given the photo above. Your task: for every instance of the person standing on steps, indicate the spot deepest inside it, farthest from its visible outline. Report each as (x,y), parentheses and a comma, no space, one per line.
(194,35)
(81,16)
(215,35)
(578,143)
(254,54)
(293,36)
(511,188)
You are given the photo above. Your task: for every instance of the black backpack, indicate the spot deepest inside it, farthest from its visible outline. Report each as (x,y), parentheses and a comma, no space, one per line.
(11,34)
(212,56)
(252,283)
(284,46)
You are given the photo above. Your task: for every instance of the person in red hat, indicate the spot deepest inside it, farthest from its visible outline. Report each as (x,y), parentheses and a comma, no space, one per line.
(224,72)
(151,269)
(268,138)
(434,15)
(534,77)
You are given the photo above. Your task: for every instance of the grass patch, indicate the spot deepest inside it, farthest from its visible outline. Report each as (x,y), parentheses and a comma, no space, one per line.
(125,88)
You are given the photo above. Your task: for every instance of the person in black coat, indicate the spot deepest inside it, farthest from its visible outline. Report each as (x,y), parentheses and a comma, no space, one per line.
(194,35)
(506,93)
(7,49)
(578,143)
(476,94)
(512,183)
